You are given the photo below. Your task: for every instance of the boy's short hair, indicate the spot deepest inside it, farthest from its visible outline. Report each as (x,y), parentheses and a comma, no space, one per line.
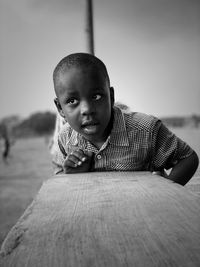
(79,60)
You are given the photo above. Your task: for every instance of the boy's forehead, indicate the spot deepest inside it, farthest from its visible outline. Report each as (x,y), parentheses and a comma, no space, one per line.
(76,74)
(75,78)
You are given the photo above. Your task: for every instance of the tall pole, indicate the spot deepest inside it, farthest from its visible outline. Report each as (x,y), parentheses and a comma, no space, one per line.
(89,27)
(90,50)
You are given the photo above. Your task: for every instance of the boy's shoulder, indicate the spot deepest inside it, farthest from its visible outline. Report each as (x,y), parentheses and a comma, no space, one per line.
(138,120)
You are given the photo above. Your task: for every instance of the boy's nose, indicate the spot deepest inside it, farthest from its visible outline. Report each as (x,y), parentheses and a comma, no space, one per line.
(87,107)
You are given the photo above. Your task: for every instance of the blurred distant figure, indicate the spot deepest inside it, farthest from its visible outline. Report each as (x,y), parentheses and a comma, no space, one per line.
(5,136)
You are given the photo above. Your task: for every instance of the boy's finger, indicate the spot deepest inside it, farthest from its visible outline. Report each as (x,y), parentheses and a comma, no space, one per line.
(80,155)
(69,163)
(72,161)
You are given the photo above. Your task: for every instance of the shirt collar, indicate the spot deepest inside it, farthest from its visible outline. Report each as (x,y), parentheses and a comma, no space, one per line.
(118,135)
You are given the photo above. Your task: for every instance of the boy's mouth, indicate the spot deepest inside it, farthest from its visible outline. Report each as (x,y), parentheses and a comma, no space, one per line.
(90,127)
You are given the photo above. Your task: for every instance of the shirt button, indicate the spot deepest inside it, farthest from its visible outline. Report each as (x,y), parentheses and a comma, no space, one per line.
(98,156)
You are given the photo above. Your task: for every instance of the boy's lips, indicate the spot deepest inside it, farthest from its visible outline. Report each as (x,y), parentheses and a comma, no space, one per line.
(90,127)
(89,123)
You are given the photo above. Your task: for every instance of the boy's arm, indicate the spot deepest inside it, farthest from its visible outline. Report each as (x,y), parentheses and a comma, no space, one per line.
(58,157)
(170,152)
(183,171)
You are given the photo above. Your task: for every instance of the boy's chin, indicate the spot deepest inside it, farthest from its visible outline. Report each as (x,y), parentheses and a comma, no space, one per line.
(94,136)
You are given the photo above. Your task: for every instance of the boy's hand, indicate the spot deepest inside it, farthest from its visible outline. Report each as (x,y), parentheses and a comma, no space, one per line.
(78,161)
(162,173)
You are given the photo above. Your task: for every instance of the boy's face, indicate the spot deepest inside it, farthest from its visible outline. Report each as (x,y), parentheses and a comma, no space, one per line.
(85,100)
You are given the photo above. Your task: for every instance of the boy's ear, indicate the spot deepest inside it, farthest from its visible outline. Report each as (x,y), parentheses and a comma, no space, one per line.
(59,108)
(112,96)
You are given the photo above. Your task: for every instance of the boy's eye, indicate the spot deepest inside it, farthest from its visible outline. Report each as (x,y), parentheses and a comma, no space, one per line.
(97,97)
(72,101)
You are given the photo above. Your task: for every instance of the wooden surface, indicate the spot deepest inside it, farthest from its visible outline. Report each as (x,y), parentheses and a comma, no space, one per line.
(107,219)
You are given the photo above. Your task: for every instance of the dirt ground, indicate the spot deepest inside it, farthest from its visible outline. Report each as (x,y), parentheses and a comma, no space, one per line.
(21,178)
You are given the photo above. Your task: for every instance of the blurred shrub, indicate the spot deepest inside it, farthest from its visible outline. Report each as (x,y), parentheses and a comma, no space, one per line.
(40,123)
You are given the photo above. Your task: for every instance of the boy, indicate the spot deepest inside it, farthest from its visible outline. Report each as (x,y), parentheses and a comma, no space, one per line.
(99,136)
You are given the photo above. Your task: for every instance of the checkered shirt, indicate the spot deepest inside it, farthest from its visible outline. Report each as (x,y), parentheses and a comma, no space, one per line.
(138,142)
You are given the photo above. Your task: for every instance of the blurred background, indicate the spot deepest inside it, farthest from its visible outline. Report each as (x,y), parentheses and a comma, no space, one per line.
(152,52)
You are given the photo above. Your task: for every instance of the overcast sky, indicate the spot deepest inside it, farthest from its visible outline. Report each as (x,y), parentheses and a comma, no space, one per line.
(151,49)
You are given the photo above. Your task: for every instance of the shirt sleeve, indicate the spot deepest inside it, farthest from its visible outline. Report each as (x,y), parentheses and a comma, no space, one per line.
(58,156)
(167,148)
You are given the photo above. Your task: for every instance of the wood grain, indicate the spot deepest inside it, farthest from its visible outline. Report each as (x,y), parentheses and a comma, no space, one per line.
(107,219)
